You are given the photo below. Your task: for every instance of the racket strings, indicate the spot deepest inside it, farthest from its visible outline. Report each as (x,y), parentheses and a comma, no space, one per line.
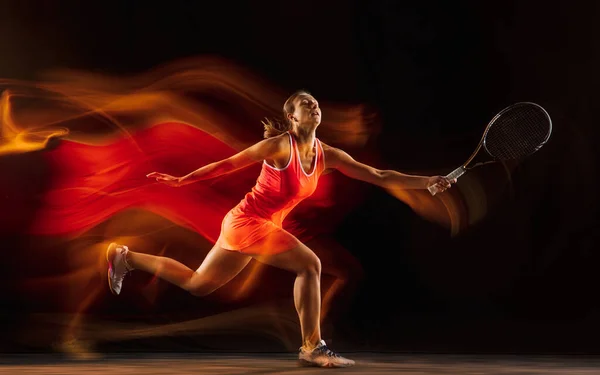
(518,132)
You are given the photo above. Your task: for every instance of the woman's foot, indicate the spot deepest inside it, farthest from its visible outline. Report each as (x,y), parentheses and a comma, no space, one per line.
(117,266)
(322,356)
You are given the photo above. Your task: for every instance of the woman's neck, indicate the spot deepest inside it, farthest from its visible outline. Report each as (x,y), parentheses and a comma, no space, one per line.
(305,137)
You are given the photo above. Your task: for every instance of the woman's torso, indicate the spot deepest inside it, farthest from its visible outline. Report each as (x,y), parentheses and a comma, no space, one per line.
(278,190)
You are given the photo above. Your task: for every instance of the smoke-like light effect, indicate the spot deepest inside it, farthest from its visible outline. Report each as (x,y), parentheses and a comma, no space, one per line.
(100,135)
(275,324)
(15,139)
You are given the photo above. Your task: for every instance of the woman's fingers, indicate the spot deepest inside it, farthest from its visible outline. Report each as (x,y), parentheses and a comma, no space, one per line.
(165,178)
(158,176)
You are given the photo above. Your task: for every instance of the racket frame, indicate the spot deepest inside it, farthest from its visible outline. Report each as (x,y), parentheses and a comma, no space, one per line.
(455,174)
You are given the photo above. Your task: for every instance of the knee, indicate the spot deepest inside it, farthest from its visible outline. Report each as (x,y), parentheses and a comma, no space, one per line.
(201,289)
(312,267)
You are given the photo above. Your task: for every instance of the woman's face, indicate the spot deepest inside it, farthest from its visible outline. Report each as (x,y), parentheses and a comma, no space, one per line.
(306,111)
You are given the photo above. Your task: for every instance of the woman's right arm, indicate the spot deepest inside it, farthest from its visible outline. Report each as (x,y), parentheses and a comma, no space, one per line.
(266,149)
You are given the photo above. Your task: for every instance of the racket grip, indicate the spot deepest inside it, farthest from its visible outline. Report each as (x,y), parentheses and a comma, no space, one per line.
(455,174)
(433,189)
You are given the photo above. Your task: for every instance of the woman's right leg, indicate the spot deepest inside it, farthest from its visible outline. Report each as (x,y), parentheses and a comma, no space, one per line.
(307,297)
(345,275)
(218,268)
(307,288)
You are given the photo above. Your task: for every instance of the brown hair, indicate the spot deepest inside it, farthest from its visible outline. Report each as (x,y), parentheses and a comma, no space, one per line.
(275,127)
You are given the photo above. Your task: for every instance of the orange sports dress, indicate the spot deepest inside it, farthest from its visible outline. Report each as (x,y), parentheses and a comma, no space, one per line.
(254,226)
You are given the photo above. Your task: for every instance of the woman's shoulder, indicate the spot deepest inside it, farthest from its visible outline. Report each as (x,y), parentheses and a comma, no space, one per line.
(281,141)
(327,149)
(278,147)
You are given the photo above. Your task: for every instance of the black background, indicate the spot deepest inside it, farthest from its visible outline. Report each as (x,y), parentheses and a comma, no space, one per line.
(524,278)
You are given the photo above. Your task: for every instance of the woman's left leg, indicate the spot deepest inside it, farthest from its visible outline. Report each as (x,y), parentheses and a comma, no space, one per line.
(217,269)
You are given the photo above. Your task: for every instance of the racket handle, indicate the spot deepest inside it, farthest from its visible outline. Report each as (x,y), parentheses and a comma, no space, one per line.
(455,174)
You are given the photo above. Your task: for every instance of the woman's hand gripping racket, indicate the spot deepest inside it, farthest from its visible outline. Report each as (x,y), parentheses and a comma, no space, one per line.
(513,134)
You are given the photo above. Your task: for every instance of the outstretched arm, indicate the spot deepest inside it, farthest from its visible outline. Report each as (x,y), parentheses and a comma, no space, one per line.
(265,149)
(340,160)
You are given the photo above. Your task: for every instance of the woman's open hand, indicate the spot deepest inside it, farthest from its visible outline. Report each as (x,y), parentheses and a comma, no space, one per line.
(166,179)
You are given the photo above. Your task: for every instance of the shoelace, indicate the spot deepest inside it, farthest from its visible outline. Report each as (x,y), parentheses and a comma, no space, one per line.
(122,277)
(328,352)
(127,267)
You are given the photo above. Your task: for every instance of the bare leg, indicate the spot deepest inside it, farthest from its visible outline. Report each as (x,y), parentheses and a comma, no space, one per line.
(218,268)
(307,288)
(346,273)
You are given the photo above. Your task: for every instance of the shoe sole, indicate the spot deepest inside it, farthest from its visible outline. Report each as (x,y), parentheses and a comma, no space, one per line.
(305,363)
(111,251)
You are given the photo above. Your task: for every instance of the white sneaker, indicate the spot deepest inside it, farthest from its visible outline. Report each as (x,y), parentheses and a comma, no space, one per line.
(117,266)
(322,356)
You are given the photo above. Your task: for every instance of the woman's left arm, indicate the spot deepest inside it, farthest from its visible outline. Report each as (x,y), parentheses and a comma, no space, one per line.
(389,179)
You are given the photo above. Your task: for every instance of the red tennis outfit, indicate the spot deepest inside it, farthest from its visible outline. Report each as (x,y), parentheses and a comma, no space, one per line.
(254,226)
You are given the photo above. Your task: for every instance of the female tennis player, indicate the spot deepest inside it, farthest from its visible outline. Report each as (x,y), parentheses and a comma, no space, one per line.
(292,159)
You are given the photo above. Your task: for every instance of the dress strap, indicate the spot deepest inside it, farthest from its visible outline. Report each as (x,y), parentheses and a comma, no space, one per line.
(321,157)
(293,148)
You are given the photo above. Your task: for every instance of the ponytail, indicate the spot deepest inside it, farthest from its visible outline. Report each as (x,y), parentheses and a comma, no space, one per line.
(275,127)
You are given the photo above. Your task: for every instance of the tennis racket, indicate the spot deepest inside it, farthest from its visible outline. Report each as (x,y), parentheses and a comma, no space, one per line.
(513,134)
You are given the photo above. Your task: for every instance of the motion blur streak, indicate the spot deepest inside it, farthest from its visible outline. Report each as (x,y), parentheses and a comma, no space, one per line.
(98,136)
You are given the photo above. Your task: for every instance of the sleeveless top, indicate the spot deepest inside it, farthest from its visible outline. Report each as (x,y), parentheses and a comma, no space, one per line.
(279,190)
